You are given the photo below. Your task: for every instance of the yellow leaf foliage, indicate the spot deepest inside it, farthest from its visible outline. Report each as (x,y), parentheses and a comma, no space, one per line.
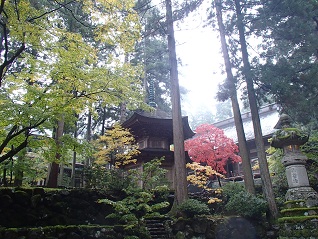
(201,174)
(117,146)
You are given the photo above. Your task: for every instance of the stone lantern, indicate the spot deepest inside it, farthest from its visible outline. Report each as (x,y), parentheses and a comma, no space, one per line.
(290,139)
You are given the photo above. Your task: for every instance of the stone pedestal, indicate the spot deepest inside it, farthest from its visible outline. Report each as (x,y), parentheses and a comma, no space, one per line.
(300,215)
(297,176)
(308,194)
(299,189)
(290,139)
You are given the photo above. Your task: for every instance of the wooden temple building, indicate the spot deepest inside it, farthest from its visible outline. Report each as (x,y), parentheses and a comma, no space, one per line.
(269,115)
(154,135)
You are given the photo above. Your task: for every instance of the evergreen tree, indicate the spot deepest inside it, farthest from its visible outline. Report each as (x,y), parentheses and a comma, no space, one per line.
(287,67)
(239,17)
(231,83)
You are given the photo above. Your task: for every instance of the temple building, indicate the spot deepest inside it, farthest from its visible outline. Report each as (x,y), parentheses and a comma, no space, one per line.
(154,135)
(268,117)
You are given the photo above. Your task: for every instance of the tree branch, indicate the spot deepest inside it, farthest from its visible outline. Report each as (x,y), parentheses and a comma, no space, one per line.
(15,150)
(53,10)
(12,134)
(6,62)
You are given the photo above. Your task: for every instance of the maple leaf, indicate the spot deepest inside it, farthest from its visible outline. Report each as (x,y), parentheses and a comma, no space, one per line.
(210,146)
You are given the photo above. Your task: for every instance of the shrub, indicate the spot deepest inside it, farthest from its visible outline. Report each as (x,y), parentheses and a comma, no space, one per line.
(246,205)
(101,177)
(231,189)
(193,207)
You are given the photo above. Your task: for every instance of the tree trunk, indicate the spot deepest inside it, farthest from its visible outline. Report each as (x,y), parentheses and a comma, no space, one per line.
(123,110)
(180,177)
(88,162)
(4,177)
(103,121)
(89,135)
(244,152)
(265,176)
(74,156)
(18,173)
(54,167)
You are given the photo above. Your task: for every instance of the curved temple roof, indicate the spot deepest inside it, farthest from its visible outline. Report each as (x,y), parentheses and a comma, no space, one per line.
(156,123)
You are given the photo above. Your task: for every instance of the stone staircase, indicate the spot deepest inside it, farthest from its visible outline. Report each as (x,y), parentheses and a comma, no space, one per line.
(156,227)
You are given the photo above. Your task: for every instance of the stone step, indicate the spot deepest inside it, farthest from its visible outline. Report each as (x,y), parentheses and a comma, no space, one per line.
(156,228)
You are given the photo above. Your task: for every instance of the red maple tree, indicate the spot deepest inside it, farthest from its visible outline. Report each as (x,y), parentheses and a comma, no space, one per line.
(210,146)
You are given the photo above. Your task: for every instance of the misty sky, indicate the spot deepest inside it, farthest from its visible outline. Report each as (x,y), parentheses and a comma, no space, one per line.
(199,50)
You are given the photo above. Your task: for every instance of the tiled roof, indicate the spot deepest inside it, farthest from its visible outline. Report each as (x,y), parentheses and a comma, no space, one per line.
(268,116)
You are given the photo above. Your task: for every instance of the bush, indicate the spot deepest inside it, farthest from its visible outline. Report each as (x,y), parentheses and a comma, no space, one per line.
(246,205)
(231,189)
(193,207)
(101,177)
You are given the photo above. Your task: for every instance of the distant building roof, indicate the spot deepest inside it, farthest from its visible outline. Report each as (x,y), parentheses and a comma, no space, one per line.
(269,116)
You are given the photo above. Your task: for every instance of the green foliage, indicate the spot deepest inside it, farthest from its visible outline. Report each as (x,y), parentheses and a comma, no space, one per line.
(65,149)
(78,63)
(113,179)
(311,147)
(288,70)
(130,210)
(140,201)
(278,171)
(246,205)
(151,175)
(151,178)
(232,188)
(239,202)
(192,207)
(311,151)
(152,50)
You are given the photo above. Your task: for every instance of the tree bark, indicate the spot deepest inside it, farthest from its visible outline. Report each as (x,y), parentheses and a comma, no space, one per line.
(53,173)
(123,110)
(89,135)
(180,177)
(244,152)
(18,173)
(265,175)
(74,156)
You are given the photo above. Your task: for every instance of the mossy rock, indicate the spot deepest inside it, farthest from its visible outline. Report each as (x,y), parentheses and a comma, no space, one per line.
(58,219)
(22,198)
(59,207)
(299,219)
(298,231)
(61,232)
(36,200)
(305,211)
(11,234)
(6,191)
(38,191)
(288,136)
(295,204)
(5,201)
(29,191)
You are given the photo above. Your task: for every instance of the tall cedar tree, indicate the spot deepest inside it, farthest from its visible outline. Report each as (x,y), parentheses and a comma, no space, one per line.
(231,83)
(265,176)
(180,177)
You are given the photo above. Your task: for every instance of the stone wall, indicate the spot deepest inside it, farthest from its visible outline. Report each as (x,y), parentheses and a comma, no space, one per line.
(221,227)
(35,207)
